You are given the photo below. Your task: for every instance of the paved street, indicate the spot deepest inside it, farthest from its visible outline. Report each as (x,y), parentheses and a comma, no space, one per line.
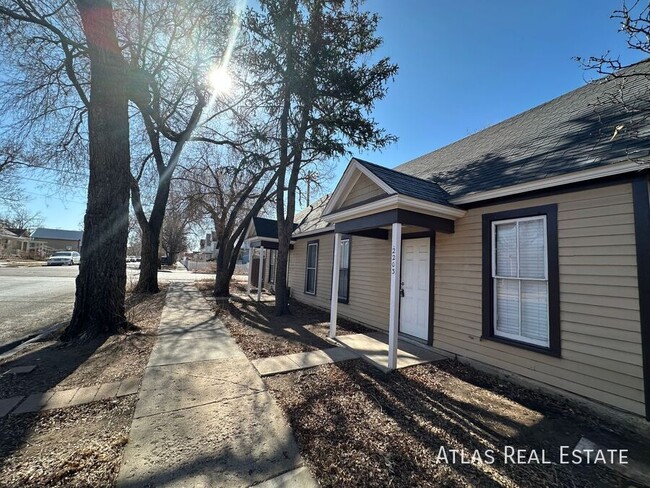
(33,299)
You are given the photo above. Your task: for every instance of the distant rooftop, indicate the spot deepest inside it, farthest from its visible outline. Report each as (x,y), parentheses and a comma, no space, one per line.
(58,234)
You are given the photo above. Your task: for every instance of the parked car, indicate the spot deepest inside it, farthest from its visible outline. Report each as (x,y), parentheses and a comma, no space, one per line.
(64,257)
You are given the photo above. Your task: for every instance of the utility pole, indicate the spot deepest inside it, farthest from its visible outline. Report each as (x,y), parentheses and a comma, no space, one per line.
(309,177)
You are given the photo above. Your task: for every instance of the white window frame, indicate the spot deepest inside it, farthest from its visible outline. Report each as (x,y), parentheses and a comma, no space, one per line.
(307,268)
(495,277)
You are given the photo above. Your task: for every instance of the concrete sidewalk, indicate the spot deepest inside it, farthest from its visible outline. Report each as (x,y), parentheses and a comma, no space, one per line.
(204,416)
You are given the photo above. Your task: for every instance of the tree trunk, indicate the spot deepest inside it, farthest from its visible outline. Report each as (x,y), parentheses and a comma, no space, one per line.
(223,276)
(99,299)
(148,280)
(222,282)
(281,288)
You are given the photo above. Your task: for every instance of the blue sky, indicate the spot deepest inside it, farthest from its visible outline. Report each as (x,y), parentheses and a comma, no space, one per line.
(464,66)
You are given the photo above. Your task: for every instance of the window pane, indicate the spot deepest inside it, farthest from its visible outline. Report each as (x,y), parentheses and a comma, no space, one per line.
(534,310)
(531,249)
(507,319)
(345,254)
(506,249)
(311,256)
(343,284)
(311,280)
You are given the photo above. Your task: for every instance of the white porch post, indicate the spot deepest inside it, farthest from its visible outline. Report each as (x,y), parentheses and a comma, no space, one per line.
(260,278)
(334,303)
(251,253)
(395,283)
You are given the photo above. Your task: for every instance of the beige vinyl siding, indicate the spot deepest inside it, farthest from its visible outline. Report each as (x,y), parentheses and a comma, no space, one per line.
(599,307)
(369,278)
(362,190)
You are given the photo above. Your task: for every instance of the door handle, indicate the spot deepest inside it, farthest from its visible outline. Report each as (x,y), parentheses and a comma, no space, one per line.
(401,292)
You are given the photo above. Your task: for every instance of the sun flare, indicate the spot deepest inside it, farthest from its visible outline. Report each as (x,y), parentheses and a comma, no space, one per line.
(219,80)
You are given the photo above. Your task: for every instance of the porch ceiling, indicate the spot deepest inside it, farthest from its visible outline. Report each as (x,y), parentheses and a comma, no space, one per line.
(265,243)
(370,223)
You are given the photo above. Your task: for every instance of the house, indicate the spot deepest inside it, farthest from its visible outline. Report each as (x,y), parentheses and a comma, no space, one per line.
(208,247)
(58,239)
(261,238)
(13,241)
(524,248)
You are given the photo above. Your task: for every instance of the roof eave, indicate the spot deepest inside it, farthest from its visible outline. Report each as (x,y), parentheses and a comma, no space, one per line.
(394,202)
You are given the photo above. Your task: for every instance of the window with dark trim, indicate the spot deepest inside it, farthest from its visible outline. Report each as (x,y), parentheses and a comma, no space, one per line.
(521,298)
(344,270)
(311,268)
(273,256)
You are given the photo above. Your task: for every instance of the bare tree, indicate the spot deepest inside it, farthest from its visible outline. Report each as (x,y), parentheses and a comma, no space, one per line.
(320,90)
(622,110)
(99,306)
(83,57)
(10,161)
(171,92)
(231,188)
(634,22)
(173,237)
(21,218)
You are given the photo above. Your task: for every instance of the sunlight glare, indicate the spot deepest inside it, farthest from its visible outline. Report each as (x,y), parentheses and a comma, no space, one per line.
(219,80)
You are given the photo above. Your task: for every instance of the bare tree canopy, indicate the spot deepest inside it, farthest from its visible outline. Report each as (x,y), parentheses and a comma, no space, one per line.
(231,187)
(19,217)
(68,68)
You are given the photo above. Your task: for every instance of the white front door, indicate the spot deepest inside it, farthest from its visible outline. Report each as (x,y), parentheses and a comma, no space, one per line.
(414,304)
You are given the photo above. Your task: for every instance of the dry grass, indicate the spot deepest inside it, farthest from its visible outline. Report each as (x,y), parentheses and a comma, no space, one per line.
(73,447)
(62,366)
(76,446)
(359,427)
(261,334)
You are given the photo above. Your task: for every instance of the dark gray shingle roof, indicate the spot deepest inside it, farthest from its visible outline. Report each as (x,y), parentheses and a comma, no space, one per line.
(408,185)
(570,133)
(265,227)
(309,218)
(58,234)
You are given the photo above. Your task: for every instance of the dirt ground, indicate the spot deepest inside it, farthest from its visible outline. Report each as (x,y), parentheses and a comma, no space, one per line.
(261,334)
(357,426)
(75,446)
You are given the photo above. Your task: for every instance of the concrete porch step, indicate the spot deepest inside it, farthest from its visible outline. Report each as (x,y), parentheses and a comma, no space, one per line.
(302,360)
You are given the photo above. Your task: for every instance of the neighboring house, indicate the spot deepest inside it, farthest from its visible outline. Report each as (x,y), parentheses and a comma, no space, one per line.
(208,247)
(261,238)
(524,247)
(13,241)
(58,239)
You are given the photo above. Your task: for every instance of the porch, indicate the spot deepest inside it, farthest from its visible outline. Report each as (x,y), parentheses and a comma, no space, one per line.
(373,348)
(373,202)
(262,240)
